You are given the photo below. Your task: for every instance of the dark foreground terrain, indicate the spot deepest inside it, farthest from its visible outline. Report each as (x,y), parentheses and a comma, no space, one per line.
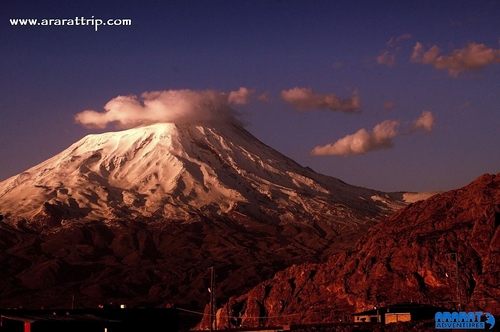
(150,263)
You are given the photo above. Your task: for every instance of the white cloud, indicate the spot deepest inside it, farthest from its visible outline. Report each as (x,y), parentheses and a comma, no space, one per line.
(175,106)
(381,137)
(305,99)
(393,41)
(362,141)
(472,57)
(425,122)
(388,56)
(240,97)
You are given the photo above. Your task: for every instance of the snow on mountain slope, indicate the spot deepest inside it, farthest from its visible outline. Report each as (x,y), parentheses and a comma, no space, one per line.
(183,172)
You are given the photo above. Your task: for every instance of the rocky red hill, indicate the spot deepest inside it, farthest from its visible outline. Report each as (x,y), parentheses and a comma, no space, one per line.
(408,257)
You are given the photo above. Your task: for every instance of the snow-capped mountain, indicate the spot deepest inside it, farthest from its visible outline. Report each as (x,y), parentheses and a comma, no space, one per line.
(181,172)
(135,217)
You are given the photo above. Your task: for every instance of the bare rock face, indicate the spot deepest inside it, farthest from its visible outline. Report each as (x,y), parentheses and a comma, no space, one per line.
(414,255)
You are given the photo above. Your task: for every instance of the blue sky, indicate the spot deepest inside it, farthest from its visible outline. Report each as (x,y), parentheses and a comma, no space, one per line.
(397,59)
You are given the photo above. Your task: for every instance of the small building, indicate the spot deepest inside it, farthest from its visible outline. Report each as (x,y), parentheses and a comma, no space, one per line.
(369,316)
(400,312)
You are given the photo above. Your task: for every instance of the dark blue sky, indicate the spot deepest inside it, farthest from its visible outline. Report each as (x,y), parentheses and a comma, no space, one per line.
(48,74)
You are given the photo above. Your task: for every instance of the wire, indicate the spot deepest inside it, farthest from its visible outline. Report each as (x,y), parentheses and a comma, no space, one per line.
(190,311)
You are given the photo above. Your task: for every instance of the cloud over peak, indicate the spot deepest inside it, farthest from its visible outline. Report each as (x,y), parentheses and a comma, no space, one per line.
(174,106)
(303,99)
(470,58)
(240,96)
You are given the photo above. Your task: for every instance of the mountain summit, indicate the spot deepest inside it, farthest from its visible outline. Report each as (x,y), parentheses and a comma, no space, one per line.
(181,172)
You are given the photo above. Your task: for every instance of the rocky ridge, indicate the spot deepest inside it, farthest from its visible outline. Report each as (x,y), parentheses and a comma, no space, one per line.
(408,257)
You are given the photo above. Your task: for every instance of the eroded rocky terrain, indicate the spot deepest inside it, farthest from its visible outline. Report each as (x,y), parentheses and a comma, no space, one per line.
(408,257)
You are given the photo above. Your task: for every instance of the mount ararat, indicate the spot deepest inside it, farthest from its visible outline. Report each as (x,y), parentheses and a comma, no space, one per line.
(182,172)
(136,216)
